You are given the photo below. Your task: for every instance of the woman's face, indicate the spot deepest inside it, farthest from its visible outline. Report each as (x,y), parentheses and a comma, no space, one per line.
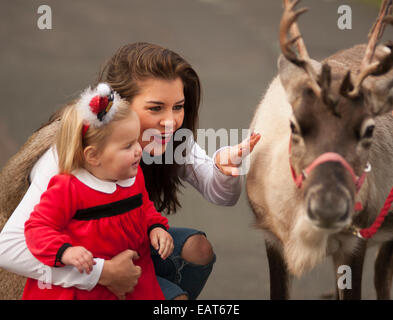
(160,107)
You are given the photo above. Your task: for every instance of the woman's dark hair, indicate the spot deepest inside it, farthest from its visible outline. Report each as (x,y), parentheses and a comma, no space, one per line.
(136,62)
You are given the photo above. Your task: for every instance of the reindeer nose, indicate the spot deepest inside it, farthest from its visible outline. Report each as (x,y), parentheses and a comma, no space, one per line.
(327,209)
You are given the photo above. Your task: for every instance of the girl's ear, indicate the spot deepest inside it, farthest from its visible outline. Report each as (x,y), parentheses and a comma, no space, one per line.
(91,156)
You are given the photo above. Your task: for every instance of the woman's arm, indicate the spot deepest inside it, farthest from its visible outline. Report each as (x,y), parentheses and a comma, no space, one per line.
(219,178)
(201,172)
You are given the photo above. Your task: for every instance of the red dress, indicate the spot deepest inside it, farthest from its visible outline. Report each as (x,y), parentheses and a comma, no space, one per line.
(71,213)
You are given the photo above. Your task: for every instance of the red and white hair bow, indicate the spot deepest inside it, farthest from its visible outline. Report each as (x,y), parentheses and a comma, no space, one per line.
(97,106)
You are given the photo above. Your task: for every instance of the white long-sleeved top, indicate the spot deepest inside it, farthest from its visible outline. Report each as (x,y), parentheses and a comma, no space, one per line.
(16,257)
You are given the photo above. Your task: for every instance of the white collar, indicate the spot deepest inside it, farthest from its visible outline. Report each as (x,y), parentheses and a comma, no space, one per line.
(91,181)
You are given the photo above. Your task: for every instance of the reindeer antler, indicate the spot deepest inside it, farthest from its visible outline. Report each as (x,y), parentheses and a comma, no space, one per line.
(288,25)
(381,67)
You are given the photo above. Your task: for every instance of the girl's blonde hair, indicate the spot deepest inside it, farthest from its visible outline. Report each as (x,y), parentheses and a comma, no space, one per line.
(70,142)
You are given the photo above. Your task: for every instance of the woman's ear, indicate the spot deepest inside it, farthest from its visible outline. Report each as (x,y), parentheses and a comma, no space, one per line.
(91,156)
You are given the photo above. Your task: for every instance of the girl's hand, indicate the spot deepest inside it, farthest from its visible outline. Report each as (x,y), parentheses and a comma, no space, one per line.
(162,241)
(78,257)
(229,159)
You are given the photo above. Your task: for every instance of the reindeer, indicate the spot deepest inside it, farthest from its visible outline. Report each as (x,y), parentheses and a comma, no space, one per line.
(324,167)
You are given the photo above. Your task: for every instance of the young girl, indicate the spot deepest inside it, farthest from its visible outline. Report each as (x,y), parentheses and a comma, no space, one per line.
(98,206)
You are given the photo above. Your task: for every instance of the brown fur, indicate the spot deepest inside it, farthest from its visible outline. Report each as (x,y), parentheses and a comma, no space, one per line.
(14,176)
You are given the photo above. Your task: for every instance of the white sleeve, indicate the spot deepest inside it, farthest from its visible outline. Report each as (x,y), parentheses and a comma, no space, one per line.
(201,172)
(14,254)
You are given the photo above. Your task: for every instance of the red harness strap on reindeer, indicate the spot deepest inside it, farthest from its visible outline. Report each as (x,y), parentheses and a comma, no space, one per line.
(358,181)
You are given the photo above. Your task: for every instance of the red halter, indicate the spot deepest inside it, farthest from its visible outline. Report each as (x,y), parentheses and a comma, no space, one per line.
(358,181)
(328,157)
(325,157)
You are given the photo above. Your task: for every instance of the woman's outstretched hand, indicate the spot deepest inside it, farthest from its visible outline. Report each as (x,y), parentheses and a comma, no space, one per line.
(120,275)
(228,160)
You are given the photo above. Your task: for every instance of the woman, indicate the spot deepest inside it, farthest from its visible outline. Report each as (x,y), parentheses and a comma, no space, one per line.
(164,91)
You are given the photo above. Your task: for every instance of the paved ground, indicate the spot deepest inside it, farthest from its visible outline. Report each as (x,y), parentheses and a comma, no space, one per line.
(232,45)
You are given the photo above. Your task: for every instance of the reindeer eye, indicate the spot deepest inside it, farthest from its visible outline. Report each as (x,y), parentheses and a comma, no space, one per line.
(369,131)
(294,129)
(309,92)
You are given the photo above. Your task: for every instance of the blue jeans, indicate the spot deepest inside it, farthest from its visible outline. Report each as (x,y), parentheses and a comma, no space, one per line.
(177,276)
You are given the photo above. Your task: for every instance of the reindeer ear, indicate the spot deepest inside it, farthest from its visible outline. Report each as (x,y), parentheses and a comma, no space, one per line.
(287,72)
(379,94)
(293,77)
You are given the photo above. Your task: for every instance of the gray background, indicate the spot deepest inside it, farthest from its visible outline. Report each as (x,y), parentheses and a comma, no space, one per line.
(232,44)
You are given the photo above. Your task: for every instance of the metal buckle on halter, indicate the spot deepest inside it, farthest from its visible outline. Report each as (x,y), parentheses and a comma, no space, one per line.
(368,167)
(355,231)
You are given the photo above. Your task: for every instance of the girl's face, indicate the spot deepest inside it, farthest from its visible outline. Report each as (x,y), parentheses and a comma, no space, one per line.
(119,160)
(160,107)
